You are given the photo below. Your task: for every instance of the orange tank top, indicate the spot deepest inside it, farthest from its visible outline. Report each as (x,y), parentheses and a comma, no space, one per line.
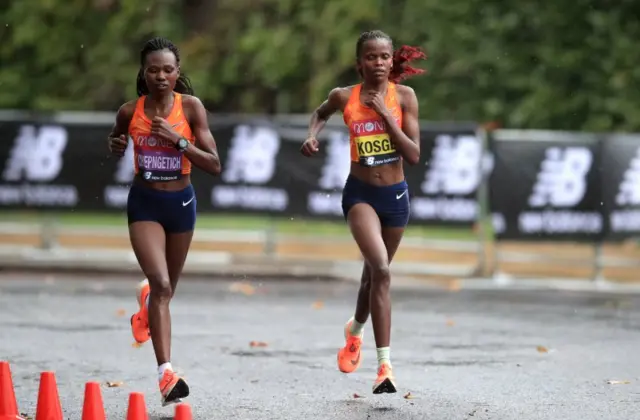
(158,160)
(370,141)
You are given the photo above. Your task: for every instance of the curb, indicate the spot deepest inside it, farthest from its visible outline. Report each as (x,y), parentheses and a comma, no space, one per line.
(218,264)
(226,265)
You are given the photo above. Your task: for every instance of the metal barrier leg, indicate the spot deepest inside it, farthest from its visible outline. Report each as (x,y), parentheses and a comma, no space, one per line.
(597,275)
(48,232)
(481,266)
(482,199)
(270,242)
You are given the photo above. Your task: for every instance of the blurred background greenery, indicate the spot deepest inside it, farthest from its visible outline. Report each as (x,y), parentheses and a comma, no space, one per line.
(536,64)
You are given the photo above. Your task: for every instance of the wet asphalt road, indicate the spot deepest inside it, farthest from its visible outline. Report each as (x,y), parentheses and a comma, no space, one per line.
(461,355)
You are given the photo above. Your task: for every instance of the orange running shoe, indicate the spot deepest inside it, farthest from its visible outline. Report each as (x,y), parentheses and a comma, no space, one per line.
(385,381)
(172,388)
(140,320)
(349,355)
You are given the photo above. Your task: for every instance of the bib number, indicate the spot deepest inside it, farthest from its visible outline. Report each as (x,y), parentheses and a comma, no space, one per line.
(160,165)
(376,150)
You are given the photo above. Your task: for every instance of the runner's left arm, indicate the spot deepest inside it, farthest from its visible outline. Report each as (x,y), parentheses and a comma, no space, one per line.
(205,154)
(406,138)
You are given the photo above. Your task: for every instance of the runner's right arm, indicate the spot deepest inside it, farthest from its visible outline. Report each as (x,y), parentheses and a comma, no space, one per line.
(334,103)
(118,136)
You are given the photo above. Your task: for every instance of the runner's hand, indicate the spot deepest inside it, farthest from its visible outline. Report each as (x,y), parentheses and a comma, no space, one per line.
(161,129)
(310,147)
(118,145)
(375,101)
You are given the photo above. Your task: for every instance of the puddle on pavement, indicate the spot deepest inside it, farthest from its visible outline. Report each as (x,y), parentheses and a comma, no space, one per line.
(482,346)
(458,363)
(306,364)
(63,328)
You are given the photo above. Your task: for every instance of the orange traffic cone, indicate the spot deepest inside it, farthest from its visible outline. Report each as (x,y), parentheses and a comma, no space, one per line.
(8,404)
(93,408)
(48,407)
(183,412)
(137,409)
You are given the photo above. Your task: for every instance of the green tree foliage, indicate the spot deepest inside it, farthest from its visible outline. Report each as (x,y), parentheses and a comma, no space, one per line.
(557,65)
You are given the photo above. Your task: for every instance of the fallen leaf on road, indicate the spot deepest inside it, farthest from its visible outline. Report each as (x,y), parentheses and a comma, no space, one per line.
(258,344)
(454,286)
(318,305)
(610,382)
(408,396)
(114,384)
(542,349)
(450,322)
(244,288)
(121,312)
(136,345)
(357,396)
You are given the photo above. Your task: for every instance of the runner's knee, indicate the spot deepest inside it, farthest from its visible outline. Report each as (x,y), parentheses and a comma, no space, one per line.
(380,274)
(160,288)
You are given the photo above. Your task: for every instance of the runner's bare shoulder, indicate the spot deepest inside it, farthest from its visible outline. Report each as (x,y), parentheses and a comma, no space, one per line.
(338,97)
(407,95)
(127,109)
(123,118)
(191,102)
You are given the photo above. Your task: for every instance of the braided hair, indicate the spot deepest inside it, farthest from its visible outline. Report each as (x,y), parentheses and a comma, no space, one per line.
(183,84)
(401,69)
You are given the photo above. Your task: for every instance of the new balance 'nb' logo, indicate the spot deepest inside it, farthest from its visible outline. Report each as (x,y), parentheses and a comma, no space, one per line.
(629,189)
(562,180)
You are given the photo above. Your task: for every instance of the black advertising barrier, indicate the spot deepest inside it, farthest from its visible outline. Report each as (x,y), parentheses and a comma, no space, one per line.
(621,186)
(52,166)
(443,186)
(253,179)
(546,185)
(64,166)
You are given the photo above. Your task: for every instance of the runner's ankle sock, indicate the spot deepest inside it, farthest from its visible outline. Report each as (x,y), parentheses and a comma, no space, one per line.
(356,327)
(162,368)
(383,355)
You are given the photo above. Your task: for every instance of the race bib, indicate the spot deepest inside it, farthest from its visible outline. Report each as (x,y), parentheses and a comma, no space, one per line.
(375,150)
(160,165)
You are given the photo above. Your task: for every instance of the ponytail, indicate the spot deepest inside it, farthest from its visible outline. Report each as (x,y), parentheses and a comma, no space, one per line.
(401,58)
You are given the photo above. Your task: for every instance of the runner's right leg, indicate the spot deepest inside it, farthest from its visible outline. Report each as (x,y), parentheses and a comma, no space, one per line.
(148,240)
(140,320)
(349,357)
(366,229)
(354,328)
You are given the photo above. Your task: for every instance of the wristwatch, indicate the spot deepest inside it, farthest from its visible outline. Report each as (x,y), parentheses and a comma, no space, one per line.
(182,144)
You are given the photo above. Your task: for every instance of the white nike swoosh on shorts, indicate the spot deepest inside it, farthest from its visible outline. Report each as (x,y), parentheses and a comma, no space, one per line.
(187,203)
(398,197)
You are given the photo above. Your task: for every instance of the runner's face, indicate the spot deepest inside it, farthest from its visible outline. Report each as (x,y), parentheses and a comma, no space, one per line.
(376,60)
(161,71)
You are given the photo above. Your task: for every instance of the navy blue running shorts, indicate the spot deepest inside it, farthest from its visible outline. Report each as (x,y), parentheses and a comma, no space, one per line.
(390,202)
(174,210)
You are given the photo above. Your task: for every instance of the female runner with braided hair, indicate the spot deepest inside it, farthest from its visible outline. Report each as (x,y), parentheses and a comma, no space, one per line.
(170,132)
(382,117)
